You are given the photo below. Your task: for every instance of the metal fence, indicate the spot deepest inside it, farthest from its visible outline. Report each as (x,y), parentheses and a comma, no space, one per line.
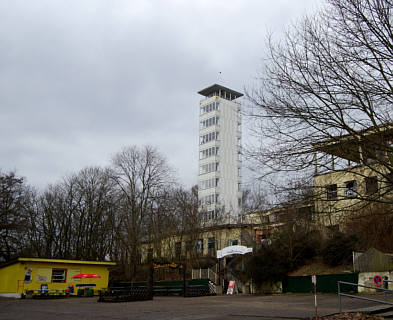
(340,293)
(326,283)
(205,274)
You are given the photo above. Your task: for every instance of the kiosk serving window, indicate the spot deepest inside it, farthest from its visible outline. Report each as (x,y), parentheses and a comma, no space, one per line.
(59,275)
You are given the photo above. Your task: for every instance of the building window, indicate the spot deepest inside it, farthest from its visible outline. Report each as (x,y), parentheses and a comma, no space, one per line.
(209,167)
(331,192)
(211,246)
(371,185)
(209,122)
(210,107)
(209,152)
(233,242)
(239,142)
(199,246)
(209,199)
(239,172)
(210,183)
(59,275)
(211,136)
(178,250)
(239,127)
(239,187)
(239,156)
(351,188)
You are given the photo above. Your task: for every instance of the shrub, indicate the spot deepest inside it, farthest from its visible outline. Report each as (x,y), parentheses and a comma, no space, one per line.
(269,264)
(290,250)
(338,249)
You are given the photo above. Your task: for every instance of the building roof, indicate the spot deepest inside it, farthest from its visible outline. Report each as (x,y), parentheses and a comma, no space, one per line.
(216,88)
(103,263)
(350,146)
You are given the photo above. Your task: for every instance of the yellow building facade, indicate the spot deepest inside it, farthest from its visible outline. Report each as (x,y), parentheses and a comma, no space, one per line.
(257,228)
(29,274)
(202,243)
(353,175)
(340,195)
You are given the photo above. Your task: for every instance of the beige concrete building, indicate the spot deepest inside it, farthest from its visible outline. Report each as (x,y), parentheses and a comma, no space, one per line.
(258,228)
(199,244)
(357,179)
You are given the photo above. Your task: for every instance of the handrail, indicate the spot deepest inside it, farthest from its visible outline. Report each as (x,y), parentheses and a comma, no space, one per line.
(361,298)
(207,273)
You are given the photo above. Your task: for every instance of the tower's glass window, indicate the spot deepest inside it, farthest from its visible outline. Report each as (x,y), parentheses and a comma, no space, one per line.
(208,137)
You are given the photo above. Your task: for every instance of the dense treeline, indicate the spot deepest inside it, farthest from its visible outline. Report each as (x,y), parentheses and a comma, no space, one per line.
(97,213)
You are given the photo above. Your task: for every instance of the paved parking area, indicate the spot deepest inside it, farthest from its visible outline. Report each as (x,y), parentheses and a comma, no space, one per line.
(281,306)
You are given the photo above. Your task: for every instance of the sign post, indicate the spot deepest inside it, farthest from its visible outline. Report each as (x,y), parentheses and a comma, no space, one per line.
(314,281)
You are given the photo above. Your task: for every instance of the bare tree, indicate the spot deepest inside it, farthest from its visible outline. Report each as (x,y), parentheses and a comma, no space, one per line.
(190,221)
(254,200)
(163,221)
(327,89)
(13,220)
(75,218)
(94,221)
(59,205)
(373,231)
(140,174)
(35,237)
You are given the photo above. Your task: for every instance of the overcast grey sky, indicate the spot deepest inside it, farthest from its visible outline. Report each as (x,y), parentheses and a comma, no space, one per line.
(81,79)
